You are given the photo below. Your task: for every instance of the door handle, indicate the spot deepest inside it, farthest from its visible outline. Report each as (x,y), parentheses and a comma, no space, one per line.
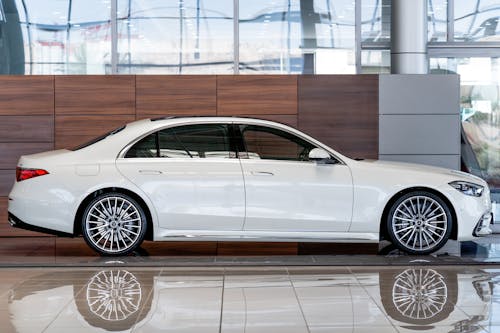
(262,173)
(150,172)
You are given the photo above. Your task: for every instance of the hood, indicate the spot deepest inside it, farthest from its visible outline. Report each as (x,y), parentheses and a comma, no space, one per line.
(423,169)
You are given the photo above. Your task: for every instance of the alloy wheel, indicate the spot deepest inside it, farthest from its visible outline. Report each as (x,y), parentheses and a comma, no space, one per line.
(419,223)
(113,224)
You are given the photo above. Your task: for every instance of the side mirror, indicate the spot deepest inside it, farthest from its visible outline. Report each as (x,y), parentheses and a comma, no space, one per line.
(320,156)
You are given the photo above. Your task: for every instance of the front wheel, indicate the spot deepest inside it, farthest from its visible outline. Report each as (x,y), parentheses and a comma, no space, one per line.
(419,223)
(114,224)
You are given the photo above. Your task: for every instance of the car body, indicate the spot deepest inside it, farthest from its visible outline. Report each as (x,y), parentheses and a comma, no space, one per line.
(228,178)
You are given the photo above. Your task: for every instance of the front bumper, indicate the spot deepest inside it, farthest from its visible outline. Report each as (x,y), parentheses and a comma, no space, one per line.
(483,225)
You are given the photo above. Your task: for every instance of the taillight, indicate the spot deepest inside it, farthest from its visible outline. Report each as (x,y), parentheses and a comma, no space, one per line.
(23,173)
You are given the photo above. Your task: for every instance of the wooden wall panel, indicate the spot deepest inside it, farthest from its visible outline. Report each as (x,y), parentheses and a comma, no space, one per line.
(95,94)
(26,128)
(10,152)
(341,111)
(26,95)
(7,178)
(256,95)
(179,95)
(72,131)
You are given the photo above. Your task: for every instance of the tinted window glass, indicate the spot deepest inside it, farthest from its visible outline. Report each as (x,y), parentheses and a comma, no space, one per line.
(196,141)
(273,144)
(146,147)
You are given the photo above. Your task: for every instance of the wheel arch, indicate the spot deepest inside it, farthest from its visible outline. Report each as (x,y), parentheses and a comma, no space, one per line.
(77,224)
(387,208)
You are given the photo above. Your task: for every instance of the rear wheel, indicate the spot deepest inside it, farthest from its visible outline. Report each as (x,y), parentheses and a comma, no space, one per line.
(114,224)
(419,223)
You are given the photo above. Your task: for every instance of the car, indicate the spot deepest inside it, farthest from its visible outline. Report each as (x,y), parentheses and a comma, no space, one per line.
(239,179)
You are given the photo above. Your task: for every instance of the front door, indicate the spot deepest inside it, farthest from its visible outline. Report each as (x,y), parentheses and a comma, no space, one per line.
(287,192)
(192,176)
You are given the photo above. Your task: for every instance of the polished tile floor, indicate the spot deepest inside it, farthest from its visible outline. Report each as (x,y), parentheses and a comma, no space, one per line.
(251,299)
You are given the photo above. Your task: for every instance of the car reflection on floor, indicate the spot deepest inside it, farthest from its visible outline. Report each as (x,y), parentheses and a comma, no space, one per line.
(294,299)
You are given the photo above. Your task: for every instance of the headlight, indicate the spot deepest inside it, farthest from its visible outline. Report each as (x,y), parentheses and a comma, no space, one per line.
(467,188)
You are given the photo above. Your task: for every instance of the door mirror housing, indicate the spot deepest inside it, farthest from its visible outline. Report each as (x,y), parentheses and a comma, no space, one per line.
(321,156)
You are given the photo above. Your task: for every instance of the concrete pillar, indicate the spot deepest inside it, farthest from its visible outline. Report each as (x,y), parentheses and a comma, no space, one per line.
(409,37)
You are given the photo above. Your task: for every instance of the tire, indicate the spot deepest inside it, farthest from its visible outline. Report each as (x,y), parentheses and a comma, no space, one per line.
(114,224)
(419,222)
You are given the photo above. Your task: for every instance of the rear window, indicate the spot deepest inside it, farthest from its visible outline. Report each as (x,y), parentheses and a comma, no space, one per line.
(99,138)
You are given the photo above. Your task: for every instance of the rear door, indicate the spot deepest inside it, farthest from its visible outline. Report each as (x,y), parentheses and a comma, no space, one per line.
(192,176)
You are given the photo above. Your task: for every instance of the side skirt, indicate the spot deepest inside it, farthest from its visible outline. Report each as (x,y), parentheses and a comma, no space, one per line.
(265,236)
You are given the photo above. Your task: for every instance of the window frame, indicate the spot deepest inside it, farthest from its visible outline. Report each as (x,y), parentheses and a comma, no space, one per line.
(232,140)
(242,143)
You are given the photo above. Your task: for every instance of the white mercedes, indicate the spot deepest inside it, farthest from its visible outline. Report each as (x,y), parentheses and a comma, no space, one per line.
(227,178)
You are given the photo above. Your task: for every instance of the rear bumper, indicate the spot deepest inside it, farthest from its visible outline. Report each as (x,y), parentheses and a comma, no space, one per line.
(17,223)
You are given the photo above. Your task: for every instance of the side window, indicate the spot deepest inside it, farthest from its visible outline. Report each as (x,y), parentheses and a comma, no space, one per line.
(273,144)
(196,141)
(146,147)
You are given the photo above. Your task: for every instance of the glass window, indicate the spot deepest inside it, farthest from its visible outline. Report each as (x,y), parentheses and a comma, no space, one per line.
(175,37)
(480,109)
(145,147)
(376,62)
(196,141)
(293,37)
(66,37)
(273,144)
(477,20)
(437,11)
(375,20)
(191,141)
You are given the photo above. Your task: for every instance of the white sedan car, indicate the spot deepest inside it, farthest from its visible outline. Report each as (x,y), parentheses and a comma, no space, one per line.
(226,178)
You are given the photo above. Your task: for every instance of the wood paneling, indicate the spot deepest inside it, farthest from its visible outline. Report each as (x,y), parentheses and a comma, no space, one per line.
(341,111)
(95,94)
(75,130)
(7,178)
(26,128)
(6,230)
(256,95)
(26,95)
(178,95)
(11,151)
(255,248)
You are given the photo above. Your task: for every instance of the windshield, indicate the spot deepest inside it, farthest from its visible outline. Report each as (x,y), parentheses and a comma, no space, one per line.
(99,138)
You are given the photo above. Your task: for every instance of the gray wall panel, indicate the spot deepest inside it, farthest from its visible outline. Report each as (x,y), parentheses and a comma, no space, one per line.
(419,94)
(419,119)
(444,161)
(419,134)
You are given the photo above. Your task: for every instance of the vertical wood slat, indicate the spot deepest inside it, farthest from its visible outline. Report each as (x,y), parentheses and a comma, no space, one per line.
(176,95)
(94,95)
(27,95)
(341,111)
(256,95)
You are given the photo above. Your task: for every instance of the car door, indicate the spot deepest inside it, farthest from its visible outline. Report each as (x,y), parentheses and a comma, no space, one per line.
(287,192)
(192,176)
